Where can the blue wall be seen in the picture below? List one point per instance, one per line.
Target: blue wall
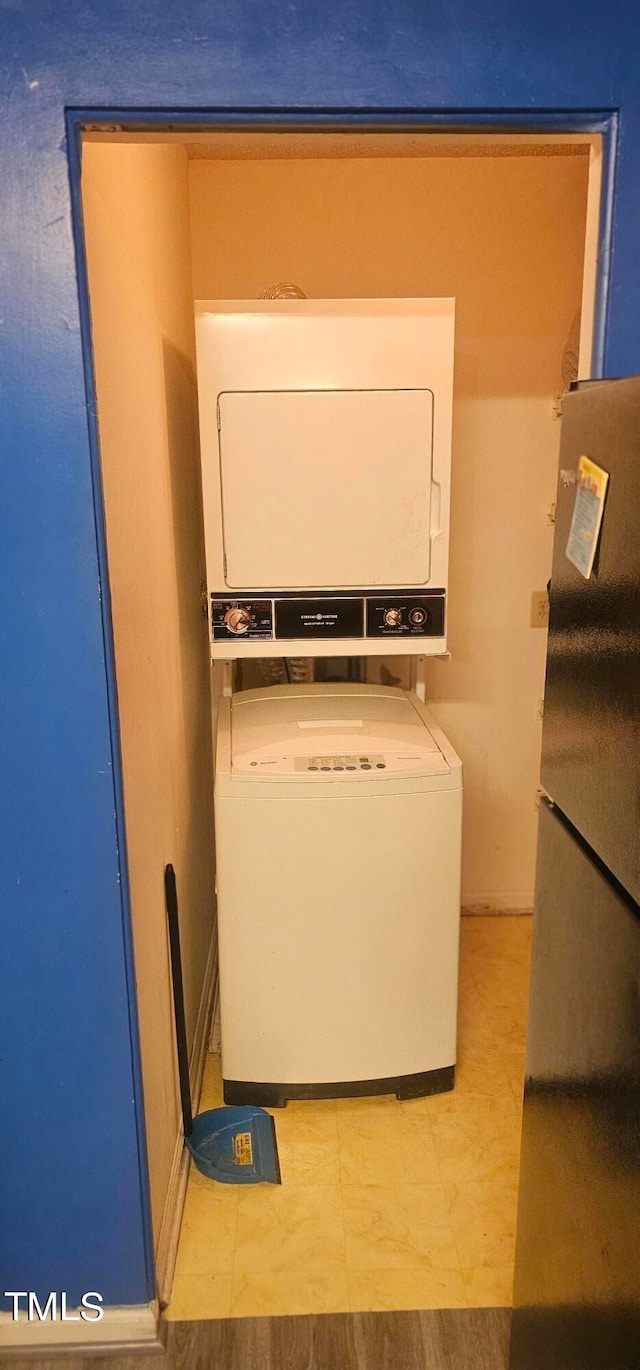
(73, 1195)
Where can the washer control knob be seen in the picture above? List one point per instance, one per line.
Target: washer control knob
(392, 617)
(237, 620)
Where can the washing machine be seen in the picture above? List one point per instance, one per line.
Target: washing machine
(338, 815)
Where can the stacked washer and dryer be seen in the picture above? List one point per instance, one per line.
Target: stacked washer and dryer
(326, 457)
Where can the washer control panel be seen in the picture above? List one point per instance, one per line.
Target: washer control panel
(336, 766)
(324, 764)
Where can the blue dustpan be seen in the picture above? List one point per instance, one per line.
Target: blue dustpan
(235, 1144)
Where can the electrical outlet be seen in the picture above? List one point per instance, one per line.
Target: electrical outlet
(539, 611)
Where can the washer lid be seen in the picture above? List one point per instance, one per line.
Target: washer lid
(316, 733)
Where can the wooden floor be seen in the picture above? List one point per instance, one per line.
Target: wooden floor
(454, 1339)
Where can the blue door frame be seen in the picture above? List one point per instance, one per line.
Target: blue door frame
(79, 121)
(73, 1190)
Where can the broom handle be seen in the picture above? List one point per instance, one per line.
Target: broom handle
(171, 899)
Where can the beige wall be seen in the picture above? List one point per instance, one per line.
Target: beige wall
(137, 232)
(505, 235)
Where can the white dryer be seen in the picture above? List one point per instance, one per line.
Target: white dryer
(325, 432)
(338, 815)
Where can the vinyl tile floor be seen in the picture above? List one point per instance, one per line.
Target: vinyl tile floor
(383, 1205)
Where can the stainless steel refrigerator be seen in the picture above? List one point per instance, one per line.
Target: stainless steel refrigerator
(577, 1282)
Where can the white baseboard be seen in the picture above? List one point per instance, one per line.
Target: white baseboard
(169, 1236)
(215, 1038)
(514, 901)
(171, 1221)
(120, 1329)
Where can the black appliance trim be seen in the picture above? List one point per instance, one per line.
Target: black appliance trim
(593, 856)
(270, 1095)
(347, 615)
(575, 1336)
(384, 591)
(327, 616)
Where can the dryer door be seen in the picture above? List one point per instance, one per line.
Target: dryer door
(326, 488)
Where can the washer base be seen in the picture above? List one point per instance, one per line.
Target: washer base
(269, 1095)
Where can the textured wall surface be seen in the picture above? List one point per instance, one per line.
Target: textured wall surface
(136, 215)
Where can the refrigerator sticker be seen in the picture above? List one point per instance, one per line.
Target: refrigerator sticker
(591, 488)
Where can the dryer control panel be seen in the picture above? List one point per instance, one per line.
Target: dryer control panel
(410, 614)
(316, 617)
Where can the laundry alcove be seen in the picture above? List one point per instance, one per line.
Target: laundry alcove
(506, 224)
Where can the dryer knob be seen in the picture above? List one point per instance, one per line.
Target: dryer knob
(392, 617)
(237, 620)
